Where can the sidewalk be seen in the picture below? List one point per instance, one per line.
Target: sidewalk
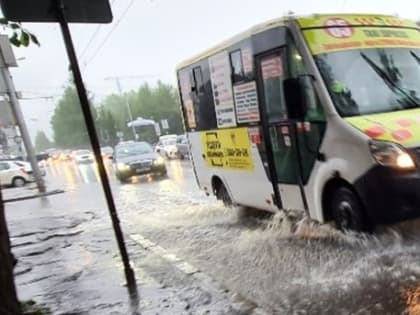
(68, 261)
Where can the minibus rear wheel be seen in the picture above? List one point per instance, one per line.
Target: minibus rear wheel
(347, 210)
(221, 192)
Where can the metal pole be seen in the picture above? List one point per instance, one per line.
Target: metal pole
(127, 104)
(17, 112)
(90, 125)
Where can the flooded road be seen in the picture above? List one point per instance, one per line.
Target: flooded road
(284, 263)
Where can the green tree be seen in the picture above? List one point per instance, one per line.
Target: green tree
(18, 35)
(157, 103)
(68, 123)
(106, 127)
(41, 141)
(115, 104)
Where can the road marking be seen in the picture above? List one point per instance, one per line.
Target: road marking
(240, 304)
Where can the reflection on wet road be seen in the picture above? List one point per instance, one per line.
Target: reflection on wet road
(285, 263)
(71, 174)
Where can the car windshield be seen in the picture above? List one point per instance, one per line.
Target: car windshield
(106, 149)
(82, 152)
(369, 81)
(132, 150)
(167, 142)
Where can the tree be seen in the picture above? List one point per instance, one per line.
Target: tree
(157, 103)
(41, 141)
(106, 127)
(67, 121)
(19, 36)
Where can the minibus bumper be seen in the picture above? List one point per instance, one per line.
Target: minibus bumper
(390, 195)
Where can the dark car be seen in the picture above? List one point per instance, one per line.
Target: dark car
(137, 158)
(42, 156)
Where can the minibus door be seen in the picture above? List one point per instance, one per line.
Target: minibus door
(279, 132)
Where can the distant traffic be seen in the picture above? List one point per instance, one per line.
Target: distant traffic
(128, 158)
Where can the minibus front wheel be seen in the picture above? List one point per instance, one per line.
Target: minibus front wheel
(347, 210)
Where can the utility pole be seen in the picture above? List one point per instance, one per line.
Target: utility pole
(117, 80)
(6, 53)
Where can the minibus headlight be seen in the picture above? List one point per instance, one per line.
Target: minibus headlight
(391, 154)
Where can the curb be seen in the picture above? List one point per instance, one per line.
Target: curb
(40, 195)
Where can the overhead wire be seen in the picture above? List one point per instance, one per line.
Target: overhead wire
(101, 45)
(92, 37)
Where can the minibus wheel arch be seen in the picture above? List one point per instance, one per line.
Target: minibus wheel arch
(337, 188)
(220, 191)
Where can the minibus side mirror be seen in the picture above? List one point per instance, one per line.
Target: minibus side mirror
(294, 97)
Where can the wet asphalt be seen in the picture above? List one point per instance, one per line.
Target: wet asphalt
(282, 263)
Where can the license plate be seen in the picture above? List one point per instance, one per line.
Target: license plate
(141, 170)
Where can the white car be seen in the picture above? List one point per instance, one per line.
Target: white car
(82, 156)
(11, 174)
(167, 146)
(28, 168)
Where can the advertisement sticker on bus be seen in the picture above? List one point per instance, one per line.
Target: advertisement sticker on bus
(222, 90)
(338, 33)
(227, 148)
(402, 127)
(246, 101)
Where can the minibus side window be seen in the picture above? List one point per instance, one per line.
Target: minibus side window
(198, 79)
(272, 71)
(236, 65)
(297, 69)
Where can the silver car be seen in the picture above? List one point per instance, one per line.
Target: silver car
(183, 147)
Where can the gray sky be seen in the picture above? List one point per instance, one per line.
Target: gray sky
(151, 39)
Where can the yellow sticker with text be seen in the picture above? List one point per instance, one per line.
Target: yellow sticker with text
(328, 33)
(227, 148)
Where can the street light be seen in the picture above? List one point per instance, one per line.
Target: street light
(117, 80)
(127, 104)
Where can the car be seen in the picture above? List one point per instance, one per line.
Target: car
(167, 146)
(55, 154)
(11, 174)
(65, 155)
(82, 156)
(52, 153)
(183, 147)
(42, 156)
(107, 152)
(137, 158)
(28, 168)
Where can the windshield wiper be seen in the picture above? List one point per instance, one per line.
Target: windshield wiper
(388, 81)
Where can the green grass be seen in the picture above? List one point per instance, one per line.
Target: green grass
(32, 308)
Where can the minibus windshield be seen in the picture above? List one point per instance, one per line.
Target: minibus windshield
(374, 80)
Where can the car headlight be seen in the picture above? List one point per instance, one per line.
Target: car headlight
(391, 154)
(122, 166)
(159, 161)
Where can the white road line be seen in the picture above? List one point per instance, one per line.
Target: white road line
(207, 282)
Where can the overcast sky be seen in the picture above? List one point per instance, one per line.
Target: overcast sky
(150, 40)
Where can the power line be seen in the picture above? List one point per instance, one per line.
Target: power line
(109, 34)
(95, 33)
(91, 39)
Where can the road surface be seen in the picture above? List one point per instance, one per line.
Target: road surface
(282, 264)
